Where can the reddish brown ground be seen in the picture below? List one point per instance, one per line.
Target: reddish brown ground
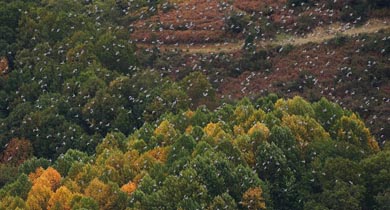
(204, 21)
(193, 21)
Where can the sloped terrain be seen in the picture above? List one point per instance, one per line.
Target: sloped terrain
(205, 21)
(290, 46)
(194, 104)
(189, 21)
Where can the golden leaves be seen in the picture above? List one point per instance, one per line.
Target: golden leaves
(129, 188)
(261, 128)
(253, 199)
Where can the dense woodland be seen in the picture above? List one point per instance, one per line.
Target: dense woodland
(96, 114)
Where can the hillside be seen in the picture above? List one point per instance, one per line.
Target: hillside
(319, 35)
(194, 104)
(285, 28)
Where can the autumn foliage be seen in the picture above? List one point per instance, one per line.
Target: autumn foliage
(194, 104)
(240, 156)
(129, 188)
(252, 199)
(17, 151)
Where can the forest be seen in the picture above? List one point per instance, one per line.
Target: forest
(194, 104)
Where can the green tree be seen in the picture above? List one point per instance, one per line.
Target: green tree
(12, 202)
(32, 164)
(20, 187)
(64, 162)
(198, 89)
(272, 166)
(170, 98)
(343, 196)
(224, 201)
(84, 202)
(116, 54)
(340, 169)
(50, 133)
(327, 114)
(376, 176)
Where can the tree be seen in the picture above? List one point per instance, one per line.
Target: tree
(84, 202)
(38, 197)
(108, 196)
(61, 199)
(129, 188)
(49, 178)
(340, 169)
(267, 103)
(20, 187)
(252, 199)
(259, 128)
(243, 112)
(101, 111)
(181, 150)
(383, 199)
(343, 196)
(112, 141)
(116, 54)
(13, 123)
(56, 135)
(32, 164)
(17, 151)
(169, 98)
(215, 131)
(65, 162)
(7, 173)
(272, 166)
(353, 130)
(285, 140)
(376, 177)
(295, 106)
(176, 192)
(166, 132)
(99, 192)
(327, 114)
(12, 202)
(305, 129)
(198, 89)
(224, 201)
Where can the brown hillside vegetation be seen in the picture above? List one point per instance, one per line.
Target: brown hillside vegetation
(192, 21)
(205, 21)
(319, 34)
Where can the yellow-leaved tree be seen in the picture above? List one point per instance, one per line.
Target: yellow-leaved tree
(259, 128)
(60, 199)
(353, 130)
(44, 183)
(129, 188)
(295, 106)
(166, 132)
(253, 199)
(38, 197)
(305, 129)
(100, 192)
(215, 131)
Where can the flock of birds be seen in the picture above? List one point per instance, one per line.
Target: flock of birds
(287, 19)
(246, 80)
